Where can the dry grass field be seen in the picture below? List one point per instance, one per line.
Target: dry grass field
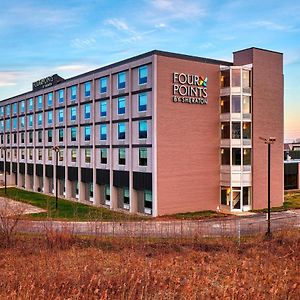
(61, 266)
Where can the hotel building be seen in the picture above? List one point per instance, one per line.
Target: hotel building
(158, 133)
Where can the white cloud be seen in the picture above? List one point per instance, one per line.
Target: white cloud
(9, 78)
(83, 43)
(118, 24)
(272, 26)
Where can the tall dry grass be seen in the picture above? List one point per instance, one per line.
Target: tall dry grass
(66, 267)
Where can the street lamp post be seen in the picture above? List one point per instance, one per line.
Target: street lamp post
(56, 149)
(4, 148)
(269, 141)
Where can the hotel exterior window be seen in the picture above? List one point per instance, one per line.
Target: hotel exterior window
(8, 110)
(15, 108)
(142, 156)
(50, 136)
(73, 134)
(87, 133)
(50, 117)
(30, 104)
(23, 153)
(148, 201)
(87, 89)
(103, 132)
(7, 127)
(30, 154)
(236, 77)
(225, 156)
(121, 80)
(87, 111)
(22, 137)
(15, 123)
(61, 154)
(73, 155)
(225, 78)
(143, 129)
(2, 125)
(107, 194)
(73, 92)
(40, 154)
(15, 153)
(22, 122)
(236, 156)
(60, 115)
(121, 131)
(30, 120)
(103, 108)
(143, 74)
(225, 130)
(103, 85)
(236, 103)
(236, 130)
(121, 106)
(103, 156)
(126, 197)
(22, 109)
(15, 138)
(60, 135)
(50, 99)
(60, 96)
(40, 119)
(247, 157)
(73, 114)
(2, 141)
(246, 195)
(40, 136)
(246, 130)
(225, 104)
(30, 134)
(87, 156)
(8, 138)
(246, 105)
(50, 154)
(142, 102)
(40, 102)
(1, 111)
(246, 78)
(122, 156)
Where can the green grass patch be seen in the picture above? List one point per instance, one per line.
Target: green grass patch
(195, 215)
(67, 210)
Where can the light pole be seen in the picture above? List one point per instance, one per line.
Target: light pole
(56, 149)
(269, 141)
(4, 148)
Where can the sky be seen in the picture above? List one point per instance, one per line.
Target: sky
(69, 37)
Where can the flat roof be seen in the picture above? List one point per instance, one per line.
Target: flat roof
(256, 48)
(137, 57)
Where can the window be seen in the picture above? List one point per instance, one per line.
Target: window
(15, 108)
(87, 89)
(246, 195)
(236, 130)
(60, 96)
(121, 80)
(73, 134)
(225, 78)
(8, 138)
(8, 110)
(49, 99)
(30, 120)
(103, 132)
(73, 111)
(247, 157)
(49, 136)
(22, 138)
(15, 138)
(246, 130)
(148, 201)
(60, 135)
(30, 154)
(103, 108)
(87, 111)
(225, 104)
(15, 153)
(40, 136)
(61, 154)
(236, 156)
(40, 154)
(87, 133)
(126, 197)
(121, 131)
(73, 92)
(87, 156)
(40, 102)
(73, 155)
(50, 154)
(225, 156)
(30, 104)
(103, 85)
(40, 119)
(107, 194)
(236, 104)
(23, 153)
(143, 74)
(1, 111)
(2, 142)
(143, 129)
(7, 126)
(50, 117)
(143, 156)
(60, 115)
(122, 156)
(22, 122)
(30, 134)
(246, 74)
(103, 156)
(246, 105)
(15, 123)
(142, 102)
(22, 107)
(121, 106)
(236, 77)
(225, 130)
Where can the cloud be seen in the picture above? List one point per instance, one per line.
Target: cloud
(83, 43)
(269, 25)
(118, 24)
(10, 78)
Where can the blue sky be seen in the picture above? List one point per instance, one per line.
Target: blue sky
(68, 37)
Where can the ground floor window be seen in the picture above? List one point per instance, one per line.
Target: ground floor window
(107, 194)
(126, 197)
(148, 202)
(225, 195)
(91, 190)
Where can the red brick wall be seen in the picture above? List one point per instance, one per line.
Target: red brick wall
(267, 119)
(188, 142)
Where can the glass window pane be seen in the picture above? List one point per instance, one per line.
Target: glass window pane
(236, 103)
(246, 105)
(236, 77)
(236, 156)
(246, 130)
(225, 78)
(236, 130)
(247, 157)
(121, 105)
(121, 80)
(143, 129)
(225, 156)
(143, 74)
(121, 131)
(103, 108)
(103, 85)
(142, 102)
(225, 104)
(225, 130)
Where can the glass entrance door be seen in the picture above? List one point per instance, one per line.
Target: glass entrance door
(236, 203)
